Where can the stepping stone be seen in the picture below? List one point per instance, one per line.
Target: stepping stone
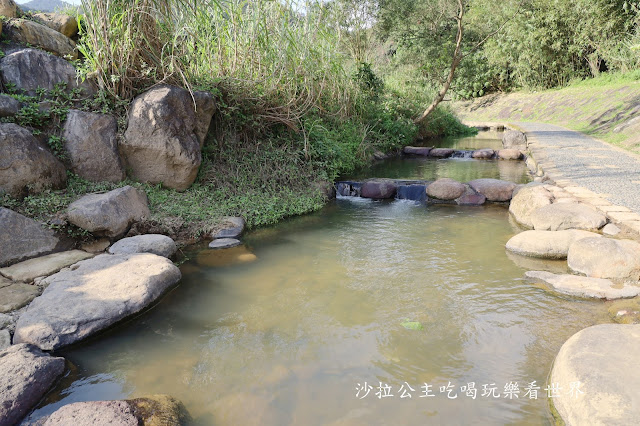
(441, 152)
(575, 285)
(605, 258)
(149, 243)
(43, 266)
(446, 189)
(527, 200)
(557, 217)
(546, 244)
(93, 295)
(223, 243)
(484, 153)
(233, 228)
(15, 296)
(417, 150)
(378, 189)
(604, 360)
(26, 374)
(493, 189)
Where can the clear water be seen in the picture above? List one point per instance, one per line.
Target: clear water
(288, 337)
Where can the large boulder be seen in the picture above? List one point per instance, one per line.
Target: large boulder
(38, 35)
(602, 360)
(30, 269)
(23, 238)
(26, 165)
(93, 295)
(446, 189)
(546, 244)
(422, 151)
(110, 214)
(26, 374)
(205, 108)
(8, 8)
(493, 189)
(148, 243)
(605, 258)
(64, 24)
(559, 216)
(514, 139)
(17, 69)
(161, 143)
(587, 287)
(526, 200)
(378, 189)
(91, 143)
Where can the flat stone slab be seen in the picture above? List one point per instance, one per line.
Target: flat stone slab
(149, 243)
(604, 359)
(223, 243)
(26, 374)
(93, 295)
(605, 258)
(43, 266)
(546, 244)
(575, 285)
(559, 216)
(15, 296)
(233, 227)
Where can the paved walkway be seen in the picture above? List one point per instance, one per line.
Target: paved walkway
(580, 160)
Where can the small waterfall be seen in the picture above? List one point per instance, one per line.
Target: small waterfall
(462, 153)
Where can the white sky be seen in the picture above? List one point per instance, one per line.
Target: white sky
(68, 1)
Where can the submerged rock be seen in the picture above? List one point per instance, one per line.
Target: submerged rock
(559, 216)
(446, 189)
(546, 244)
(378, 189)
(575, 285)
(605, 258)
(527, 200)
(493, 189)
(26, 374)
(603, 360)
(148, 243)
(23, 238)
(93, 295)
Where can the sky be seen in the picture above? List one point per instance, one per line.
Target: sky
(68, 1)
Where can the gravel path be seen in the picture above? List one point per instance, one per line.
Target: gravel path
(587, 162)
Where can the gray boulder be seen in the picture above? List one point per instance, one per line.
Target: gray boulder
(110, 214)
(232, 227)
(587, 287)
(91, 144)
(161, 143)
(493, 189)
(446, 189)
(559, 216)
(93, 295)
(26, 374)
(514, 139)
(605, 258)
(603, 360)
(546, 244)
(64, 24)
(526, 200)
(8, 106)
(23, 238)
(378, 189)
(441, 152)
(421, 151)
(8, 8)
(26, 165)
(224, 243)
(35, 34)
(17, 69)
(205, 108)
(148, 243)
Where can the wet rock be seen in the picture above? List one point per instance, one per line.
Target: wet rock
(233, 227)
(5, 339)
(378, 189)
(149, 243)
(223, 243)
(575, 285)
(161, 143)
(35, 34)
(471, 198)
(109, 214)
(625, 311)
(526, 201)
(93, 295)
(17, 69)
(493, 189)
(205, 108)
(605, 258)
(8, 8)
(514, 138)
(91, 144)
(610, 229)
(415, 192)
(603, 359)
(348, 189)
(23, 238)
(30, 269)
(8, 106)
(64, 24)
(421, 151)
(15, 296)
(546, 244)
(485, 153)
(441, 152)
(160, 410)
(26, 165)
(446, 189)
(559, 216)
(26, 374)
(94, 413)
(509, 154)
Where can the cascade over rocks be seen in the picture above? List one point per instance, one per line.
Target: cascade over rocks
(557, 217)
(26, 165)
(546, 244)
(23, 238)
(605, 258)
(18, 68)
(91, 144)
(35, 34)
(528, 199)
(493, 189)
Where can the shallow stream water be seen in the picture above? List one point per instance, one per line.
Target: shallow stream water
(358, 296)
